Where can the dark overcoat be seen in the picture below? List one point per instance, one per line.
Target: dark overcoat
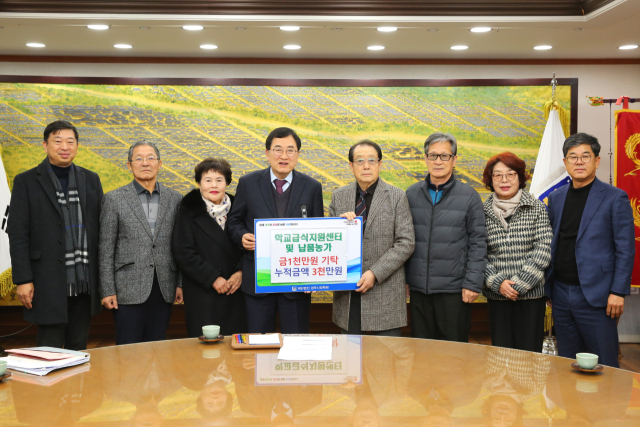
(204, 252)
(36, 239)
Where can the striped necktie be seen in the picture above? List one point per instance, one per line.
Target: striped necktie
(361, 207)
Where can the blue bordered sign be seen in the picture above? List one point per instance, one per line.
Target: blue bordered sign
(307, 254)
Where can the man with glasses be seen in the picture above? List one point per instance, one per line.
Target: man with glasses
(53, 235)
(379, 305)
(139, 279)
(446, 271)
(592, 255)
(276, 192)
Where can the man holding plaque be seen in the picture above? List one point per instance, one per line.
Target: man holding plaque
(379, 305)
(276, 192)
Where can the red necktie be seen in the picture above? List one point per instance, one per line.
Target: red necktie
(279, 184)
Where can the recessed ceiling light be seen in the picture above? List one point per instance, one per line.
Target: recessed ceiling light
(122, 46)
(387, 29)
(208, 46)
(145, 28)
(628, 47)
(292, 47)
(432, 30)
(376, 48)
(98, 27)
(337, 29)
(35, 45)
(459, 47)
(289, 28)
(240, 28)
(192, 27)
(480, 29)
(543, 47)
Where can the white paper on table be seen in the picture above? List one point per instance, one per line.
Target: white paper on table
(266, 339)
(42, 367)
(305, 348)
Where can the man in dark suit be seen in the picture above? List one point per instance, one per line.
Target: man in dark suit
(592, 255)
(276, 192)
(53, 237)
(139, 278)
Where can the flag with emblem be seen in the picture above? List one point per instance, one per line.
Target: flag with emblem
(549, 173)
(627, 171)
(5, 259)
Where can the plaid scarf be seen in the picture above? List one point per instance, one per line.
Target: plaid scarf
(75, 238)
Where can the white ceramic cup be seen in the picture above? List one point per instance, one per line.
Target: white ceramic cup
(587, 360)
(211, 331)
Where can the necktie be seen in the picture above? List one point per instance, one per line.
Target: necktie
(361, 207)
(279, 184)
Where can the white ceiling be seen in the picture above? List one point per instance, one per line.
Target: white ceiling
(512, 37)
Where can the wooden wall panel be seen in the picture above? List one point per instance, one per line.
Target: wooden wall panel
(102, 325)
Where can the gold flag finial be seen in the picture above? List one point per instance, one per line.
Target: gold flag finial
(552, 104)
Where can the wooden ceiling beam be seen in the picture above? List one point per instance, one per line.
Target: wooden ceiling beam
(308, 7)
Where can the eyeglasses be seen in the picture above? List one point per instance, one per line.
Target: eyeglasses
(444, 157)
(586, 158)
(149, 159)
(278, 151)
(370, 162)
(497, 177)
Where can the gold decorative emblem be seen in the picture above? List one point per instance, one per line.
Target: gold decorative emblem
(630, 148)
(635, 205)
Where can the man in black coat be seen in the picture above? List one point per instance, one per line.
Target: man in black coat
(53, 238)
(276, 192)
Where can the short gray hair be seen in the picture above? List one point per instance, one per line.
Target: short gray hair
(579, 139)
(434, 138)
(138, 144)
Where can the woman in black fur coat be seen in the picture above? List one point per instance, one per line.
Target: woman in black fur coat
(210, 263)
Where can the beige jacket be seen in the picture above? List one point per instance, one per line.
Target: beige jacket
(387, 243)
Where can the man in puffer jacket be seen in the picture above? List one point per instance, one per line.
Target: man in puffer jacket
(446, 271)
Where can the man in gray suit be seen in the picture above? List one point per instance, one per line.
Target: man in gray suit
(379, 305)
(139, 278)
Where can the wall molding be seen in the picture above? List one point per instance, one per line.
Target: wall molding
(314, 61)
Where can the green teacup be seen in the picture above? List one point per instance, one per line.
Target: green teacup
(3, 367)
(211, 332)
(587, 360)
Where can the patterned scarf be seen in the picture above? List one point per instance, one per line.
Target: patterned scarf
(219, 212)
(505, 208)
(220, 374)
(75, 238)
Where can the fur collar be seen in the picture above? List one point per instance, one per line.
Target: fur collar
(193, 203)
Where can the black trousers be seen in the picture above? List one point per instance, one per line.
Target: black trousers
(440, 316)
(517, 324)
(262, 313)
(355, 320)
(72, 335)
(143, 322)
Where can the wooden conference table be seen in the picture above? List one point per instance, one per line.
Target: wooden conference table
(370, 381)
